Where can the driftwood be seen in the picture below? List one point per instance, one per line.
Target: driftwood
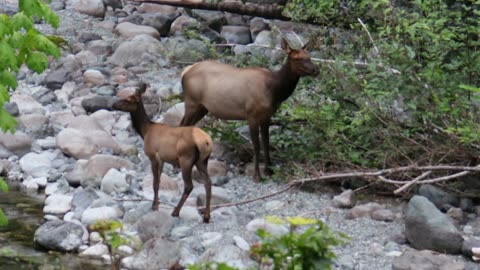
(379, 175)
(270, 11)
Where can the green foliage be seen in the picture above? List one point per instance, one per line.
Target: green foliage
(300, 249)
(210, 266)
(21, 43)
(3, 217)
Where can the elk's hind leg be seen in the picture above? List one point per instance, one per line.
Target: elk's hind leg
(193, 114)
(157, 168)
(186, 164)
(202, 166)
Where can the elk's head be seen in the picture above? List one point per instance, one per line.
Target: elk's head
(131, 102)
(299, 60)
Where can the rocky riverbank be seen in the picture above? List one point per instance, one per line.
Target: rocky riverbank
(91, 165)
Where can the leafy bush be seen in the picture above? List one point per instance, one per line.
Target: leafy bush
(298, 250)
(110, 230)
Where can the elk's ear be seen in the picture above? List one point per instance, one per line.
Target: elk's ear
(141, 89)
(285, 46)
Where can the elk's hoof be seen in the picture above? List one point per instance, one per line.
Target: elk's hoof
(175, 214)
(154, 207)
(206, 219)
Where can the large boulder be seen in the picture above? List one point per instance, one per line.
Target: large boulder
(236, 34)
(427, 228)
(27, 104)
(131, 52)
(440, 198)
(59, 235)
(57, 204)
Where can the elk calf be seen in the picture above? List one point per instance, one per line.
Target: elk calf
(180, 146)
(252, 94)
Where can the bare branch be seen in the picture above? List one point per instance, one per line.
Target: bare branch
(414, 181)
(377, 52)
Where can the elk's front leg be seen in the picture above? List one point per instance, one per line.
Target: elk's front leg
(157, 168)
(186, 166)
(264, 128)
(256, 149)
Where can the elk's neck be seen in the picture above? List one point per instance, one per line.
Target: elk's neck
(285, 84)
(140, 120)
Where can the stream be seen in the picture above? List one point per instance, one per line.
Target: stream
(17, 250)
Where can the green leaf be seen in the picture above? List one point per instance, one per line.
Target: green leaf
(44, 44)
(3, 185)
(7, 122)
(7, 56)
(298, 221)
(8, 79)
(37, 61)
(20, 20)
(4, 26)
(469, 88)
(275, 220)
(3, 218)
(4, 96)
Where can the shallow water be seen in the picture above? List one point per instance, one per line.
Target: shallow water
(17, 250)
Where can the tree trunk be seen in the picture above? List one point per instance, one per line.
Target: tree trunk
(260, 8)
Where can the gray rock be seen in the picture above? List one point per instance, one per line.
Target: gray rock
(228, 254)
(468, 244)
(173, 116)
(133, 215)
(187, 50)
(96, 103)
(58, 204)
(258, 25)
(56, 78)
(130, 53)
(363, 210)
(90, 172)
(44, 96)
(83, 143)
(18, 143)
(36, 125)
(82, 199)
(241, 243)
(38, 165)
(475, 225)
(86, 36)
(94, 214)
(100, 47)
(155, 224)
(26, 104)
(213, 19)
(114, 181)
(383, 215)
(11, 108)
(466, 204)
(94, 77)
(455, 213)
(156, 252)
(425, 260)
(158, 21)
(236, 34)
(90, 7)
(260, 223)
(346, 199)
(441, 199)
(427, 228)
(185, 23)
(59, 235)
(129, 30)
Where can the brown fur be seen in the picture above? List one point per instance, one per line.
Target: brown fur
(252, 94)
(181, 146)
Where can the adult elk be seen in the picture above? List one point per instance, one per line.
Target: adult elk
(180, 146)
(252, 94)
